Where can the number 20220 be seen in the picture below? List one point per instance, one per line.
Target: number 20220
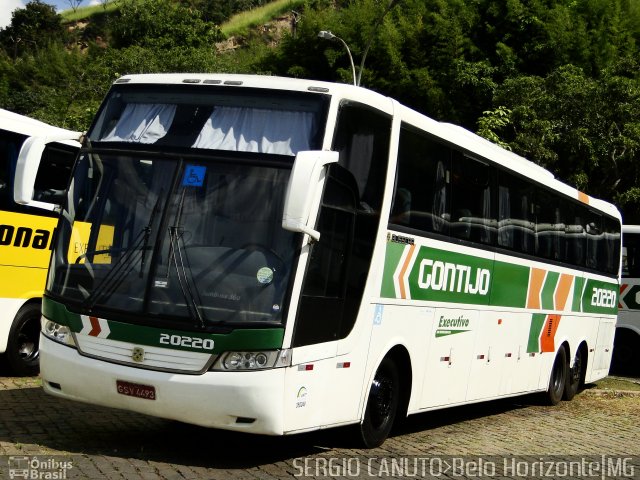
(184, 341)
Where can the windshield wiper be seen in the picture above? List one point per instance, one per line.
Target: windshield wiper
(114, 278)
(177, 256)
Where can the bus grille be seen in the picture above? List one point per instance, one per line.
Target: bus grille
(152, 358)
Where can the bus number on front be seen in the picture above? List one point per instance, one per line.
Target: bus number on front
(185, 341)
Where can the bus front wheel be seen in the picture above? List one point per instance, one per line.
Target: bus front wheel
(23, 354)
(382, 405)
(558, 378)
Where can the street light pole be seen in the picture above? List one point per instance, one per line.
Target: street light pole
(374, 30)
(327, 35)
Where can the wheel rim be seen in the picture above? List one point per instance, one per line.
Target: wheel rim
(28, 340)
(576, 371)
(381, 399)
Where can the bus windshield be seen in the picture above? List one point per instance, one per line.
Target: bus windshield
(175, 209)
(186, 240)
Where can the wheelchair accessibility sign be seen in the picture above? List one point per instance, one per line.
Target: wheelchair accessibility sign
(194, 176)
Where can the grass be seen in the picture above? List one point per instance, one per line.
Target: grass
(81, 13)
(618, 383)
(236, 25)
(240, 23)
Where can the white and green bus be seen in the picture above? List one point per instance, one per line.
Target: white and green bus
(626, 345)
(26, 231)
(275, 255)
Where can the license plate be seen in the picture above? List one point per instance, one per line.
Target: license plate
(138, 390)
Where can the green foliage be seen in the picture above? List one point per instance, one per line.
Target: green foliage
(32, 28)
(160, 24)
(585, 129)
(241, 22)
(492, 122)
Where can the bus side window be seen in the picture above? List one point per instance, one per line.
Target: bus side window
(421, 183)
(362, 139)
(595, 239)
(348, 224)
(516, 223)
(471, 210)
(322, 302)
(631, 267)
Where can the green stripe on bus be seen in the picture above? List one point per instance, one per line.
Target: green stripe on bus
(446, 333)
(578, 285)
(509, 285)
(537, 322)
(548, 291)
(391, 260)
(237, 340)
(58, 313)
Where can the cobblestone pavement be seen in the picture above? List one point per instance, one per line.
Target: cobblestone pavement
(104, 443)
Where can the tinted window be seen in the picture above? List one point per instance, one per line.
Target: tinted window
(471, 215)
(445, 191)
(422, 193)
(516, 223)
(631, 255)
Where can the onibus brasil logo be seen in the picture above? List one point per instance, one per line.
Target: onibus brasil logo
(39, 468)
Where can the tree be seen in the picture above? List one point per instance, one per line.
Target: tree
(160, 24)
(31, 28)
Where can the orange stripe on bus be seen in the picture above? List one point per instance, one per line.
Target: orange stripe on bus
(562, 291)
(583, 197)
(405, 266)
(549, 333)
(535, 286)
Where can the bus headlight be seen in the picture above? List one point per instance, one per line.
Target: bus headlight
(57, 333)
(233, 361)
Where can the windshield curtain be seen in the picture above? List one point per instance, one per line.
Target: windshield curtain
(199, 242)
(246, 120)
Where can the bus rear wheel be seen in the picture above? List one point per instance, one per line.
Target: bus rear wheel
(23, 352)
(574, 376)
(558, 379)
(382, 405)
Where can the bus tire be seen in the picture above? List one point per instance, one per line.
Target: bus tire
(558, 379)
(575, 376)
(382, 405)
(23, 354)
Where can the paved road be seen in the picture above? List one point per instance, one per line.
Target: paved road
(46, 433)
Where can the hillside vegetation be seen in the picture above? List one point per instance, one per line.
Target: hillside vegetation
(557, 81)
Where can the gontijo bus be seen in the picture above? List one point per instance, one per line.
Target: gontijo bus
(25, 235)
(274, 255)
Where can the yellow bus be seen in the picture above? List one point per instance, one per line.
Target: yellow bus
(26, 232)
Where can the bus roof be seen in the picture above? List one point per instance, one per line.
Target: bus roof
(14, 122)
(452, 133)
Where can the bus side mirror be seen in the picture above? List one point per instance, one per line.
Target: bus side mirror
(306, 177)
(27, 168)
